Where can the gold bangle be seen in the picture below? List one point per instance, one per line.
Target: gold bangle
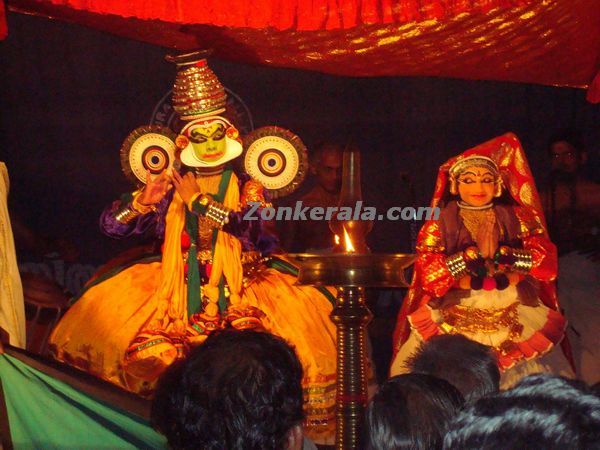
(457, 266)
(218, 214)
(523, 260)
(126, 215)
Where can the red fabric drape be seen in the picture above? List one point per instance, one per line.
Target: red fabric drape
(552, 42)
(593, 94)
(3, 27)
(289, 14)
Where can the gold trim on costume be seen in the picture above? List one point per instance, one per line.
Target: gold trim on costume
(473, 161)
(460, 319)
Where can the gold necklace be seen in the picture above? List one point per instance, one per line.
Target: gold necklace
(474, 218)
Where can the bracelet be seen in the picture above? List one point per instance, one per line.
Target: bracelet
(456, 265)
(126, 214)
(218, 214)
(523, 260)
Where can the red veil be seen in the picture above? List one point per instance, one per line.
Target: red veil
(506, 151)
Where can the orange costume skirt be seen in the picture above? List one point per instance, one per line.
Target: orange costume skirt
(97, 330)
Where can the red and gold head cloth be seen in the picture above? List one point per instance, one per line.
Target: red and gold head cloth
(508, 154)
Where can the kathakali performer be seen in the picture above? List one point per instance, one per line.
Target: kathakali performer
(216, 269)
(486, 268)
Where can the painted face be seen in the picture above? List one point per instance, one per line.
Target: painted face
(476, 186)
(209, 142)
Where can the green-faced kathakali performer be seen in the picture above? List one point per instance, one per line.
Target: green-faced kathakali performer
(216, 269)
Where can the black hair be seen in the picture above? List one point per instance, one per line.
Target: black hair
(410, 411)
(468, 365)
(541, 412)
(240, 389)
(322, 147)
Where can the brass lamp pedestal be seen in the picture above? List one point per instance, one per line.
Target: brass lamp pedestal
(351, 273)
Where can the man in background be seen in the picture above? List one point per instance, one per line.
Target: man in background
(572, 205)
(310, 235)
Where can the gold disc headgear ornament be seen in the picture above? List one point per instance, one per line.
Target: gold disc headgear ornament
(474, 161)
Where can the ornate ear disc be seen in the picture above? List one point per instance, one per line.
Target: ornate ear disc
(498, 191)
(453, 186)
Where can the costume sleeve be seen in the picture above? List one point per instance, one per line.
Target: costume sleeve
(111, 226)
(543, 253)
(431, 266)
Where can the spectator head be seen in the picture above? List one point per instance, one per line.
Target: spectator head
(326, 166)
(240, 389)
(468, 365)
(566, 151)
(411, 411)
(541, 412)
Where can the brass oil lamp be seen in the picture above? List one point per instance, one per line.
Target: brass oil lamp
(350, 269)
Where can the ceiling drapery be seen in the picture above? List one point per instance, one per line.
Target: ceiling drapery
(551, 42)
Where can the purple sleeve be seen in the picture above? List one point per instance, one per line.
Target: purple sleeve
(110, 226)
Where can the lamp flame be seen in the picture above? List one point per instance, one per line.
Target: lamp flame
(336, 238)
(348, 242)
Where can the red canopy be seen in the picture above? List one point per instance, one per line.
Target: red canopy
(552, 42)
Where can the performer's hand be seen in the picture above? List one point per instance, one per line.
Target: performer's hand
(185, 185)
(487, 237)
(156, 189)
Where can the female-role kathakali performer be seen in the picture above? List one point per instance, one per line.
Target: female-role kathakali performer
(214, 271)
(486, 268)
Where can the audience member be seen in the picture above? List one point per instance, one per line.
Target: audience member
(311, 235)
(239, 390)
(541, 412)
(469, 366)
(572, 200)
(572, 204)
(411, 411)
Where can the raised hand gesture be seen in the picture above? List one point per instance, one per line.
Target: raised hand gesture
(156, 189)
(185, 185)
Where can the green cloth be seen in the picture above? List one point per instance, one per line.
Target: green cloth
(194, 302)
(45, 413)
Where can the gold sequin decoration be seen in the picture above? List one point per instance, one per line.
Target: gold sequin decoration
(526, 194)
(464, 319)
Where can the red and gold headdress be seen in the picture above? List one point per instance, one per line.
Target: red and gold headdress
(508, 156)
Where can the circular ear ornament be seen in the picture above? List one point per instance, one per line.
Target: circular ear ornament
(150, 148)
(276, 158)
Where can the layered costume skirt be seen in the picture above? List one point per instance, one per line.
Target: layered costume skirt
(97, 330)
(523, 337)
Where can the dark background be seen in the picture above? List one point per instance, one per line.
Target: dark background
(70, 96)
